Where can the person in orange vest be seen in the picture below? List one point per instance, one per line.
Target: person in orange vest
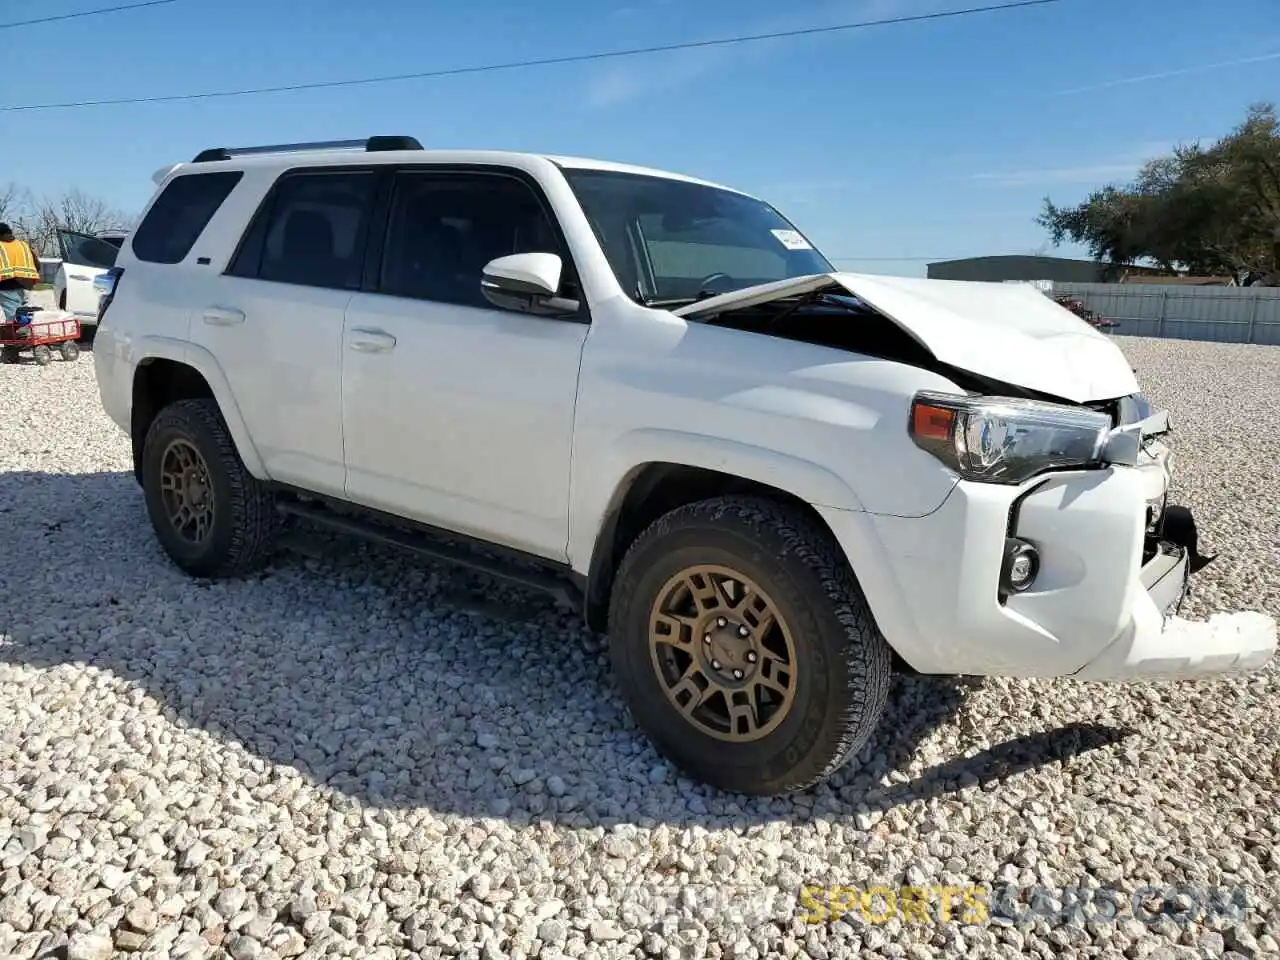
(19, 272)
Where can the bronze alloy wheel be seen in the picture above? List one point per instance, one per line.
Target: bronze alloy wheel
(211, 515)
(186, 491)
(744, 647)
(724, 656)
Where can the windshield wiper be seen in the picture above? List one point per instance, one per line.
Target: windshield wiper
(674, 302)
(790, 305)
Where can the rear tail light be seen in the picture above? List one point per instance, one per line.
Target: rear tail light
(106, 285)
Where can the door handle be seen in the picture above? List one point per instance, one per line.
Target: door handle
(222, 316)
(367, 340)
(77, 276)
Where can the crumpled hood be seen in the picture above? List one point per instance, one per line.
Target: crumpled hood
(1009, 332)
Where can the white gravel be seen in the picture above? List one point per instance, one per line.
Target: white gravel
(338, 759)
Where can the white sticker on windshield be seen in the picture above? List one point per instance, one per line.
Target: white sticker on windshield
(791, 240)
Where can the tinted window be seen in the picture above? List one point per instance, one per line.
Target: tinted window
(89, 251)
(444, 228)
(311, 232)
(673, 240)
(175, 221)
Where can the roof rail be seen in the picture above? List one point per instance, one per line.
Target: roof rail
(375, 144)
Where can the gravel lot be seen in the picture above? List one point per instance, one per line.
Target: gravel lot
(349, 756)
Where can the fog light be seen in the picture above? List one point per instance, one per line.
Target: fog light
(1021, 570)
(1021, 564)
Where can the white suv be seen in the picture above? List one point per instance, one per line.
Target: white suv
(770, 482)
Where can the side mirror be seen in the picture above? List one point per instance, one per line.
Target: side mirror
(526, 283)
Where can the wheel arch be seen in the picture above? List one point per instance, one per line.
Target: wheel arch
(650, 490)
(170, 371)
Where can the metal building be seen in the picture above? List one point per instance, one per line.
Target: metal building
(1016, 267)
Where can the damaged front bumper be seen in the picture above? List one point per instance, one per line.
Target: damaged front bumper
(1175, 648)
(1114, 562)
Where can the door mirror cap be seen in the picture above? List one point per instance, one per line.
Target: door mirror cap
(526, 283)
(530, 273)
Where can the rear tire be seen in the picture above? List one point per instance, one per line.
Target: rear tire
(212, 517)
(69, 350)
(764, 729)
(9, 354)
(43, 355)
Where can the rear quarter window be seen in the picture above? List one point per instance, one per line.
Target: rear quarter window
(180, 214)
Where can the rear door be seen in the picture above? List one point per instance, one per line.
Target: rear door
(84, 258)
(274, 319)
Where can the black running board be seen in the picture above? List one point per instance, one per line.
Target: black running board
(532, 572)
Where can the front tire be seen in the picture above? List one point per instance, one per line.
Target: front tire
(212, 517)
(43, 355)
(744, 647)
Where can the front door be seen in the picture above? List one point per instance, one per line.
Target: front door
(456, 413)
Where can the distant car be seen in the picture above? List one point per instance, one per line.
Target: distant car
(85, 257)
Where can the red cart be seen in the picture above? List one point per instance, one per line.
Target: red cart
(45, 330)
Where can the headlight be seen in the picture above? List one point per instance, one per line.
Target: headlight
(1007, 440)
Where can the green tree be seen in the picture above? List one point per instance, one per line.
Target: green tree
(1212, 211)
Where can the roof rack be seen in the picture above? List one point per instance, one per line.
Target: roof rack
(371, 145)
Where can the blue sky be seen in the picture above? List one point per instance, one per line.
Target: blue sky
(918, 141)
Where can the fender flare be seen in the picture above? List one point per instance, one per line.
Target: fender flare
(205, 364)
(607, 489)
(807, 480)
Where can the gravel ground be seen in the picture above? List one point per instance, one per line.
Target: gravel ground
(347, 756)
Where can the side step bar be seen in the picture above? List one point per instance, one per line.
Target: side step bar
(533, 573)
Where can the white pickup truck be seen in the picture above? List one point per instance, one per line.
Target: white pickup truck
(771, 483)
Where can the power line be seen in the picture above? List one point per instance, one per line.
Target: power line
(521, 64)
(85, 13)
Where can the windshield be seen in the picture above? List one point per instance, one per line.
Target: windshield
(674, 241)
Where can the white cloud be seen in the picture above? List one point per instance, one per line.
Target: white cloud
(1088, 173)
(639, 9)
(803, 192)
(1145, 77)
(1117, 167)
(633, 77)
